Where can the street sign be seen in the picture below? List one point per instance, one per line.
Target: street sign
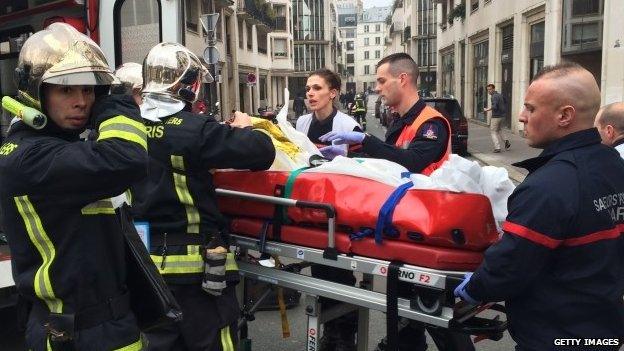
(209, 21)
(211, 55)
(251, 78)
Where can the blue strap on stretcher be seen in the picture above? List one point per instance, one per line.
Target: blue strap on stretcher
(384, 219)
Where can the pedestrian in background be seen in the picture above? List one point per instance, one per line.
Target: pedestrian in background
(499, 109)
(299, 105)
(559, 265)
(610, 124)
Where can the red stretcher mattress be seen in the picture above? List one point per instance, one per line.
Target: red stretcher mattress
(423, 217)
(414, 254)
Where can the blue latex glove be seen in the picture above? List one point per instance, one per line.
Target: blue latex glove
(338, 138)
(460, 291)
(331, 151)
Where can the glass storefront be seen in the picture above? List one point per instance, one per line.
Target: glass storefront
(480, 80)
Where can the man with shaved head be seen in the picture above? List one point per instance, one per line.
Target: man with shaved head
(559, 264)
(610, 124)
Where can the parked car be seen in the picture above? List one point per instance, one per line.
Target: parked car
(452, 111)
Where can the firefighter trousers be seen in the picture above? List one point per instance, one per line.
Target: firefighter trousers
(209, 323)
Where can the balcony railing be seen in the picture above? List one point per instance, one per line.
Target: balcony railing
(280, 23)
(256, 10)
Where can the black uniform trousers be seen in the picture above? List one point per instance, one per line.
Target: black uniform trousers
(209, 322)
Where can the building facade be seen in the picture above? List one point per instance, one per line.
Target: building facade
(347, 11)
(370, 43)
(507, 43)
(252, 37)
(313, 37)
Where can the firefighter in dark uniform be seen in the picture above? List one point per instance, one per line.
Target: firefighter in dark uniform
(178, 200)
(420, 141)
(559, 265)
(66, 243)
(359, 111)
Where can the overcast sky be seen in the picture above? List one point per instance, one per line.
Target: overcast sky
(377, 3)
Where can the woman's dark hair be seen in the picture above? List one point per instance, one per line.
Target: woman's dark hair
(330, 77)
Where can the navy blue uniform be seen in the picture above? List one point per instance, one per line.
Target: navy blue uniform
(560, 263)
(66, 242)
(428, 146)
(178, 201)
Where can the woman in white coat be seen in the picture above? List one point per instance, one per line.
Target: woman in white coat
(322, 88)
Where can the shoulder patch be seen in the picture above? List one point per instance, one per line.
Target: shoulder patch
(7, 148)
(430, 131)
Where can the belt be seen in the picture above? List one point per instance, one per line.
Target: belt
(111, 309)
(179, 239)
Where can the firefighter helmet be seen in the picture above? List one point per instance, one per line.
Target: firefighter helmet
(174, 71)
(130, 76)
(60, 55)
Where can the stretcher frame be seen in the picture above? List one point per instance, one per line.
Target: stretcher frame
(434, 305)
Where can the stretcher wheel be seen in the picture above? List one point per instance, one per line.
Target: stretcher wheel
(428, 302)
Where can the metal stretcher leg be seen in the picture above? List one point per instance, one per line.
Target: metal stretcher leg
(312, 310)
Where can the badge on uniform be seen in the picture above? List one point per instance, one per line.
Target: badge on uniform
(430, 132)
(143, 229)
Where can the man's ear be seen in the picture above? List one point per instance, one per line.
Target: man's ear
(610, 131)
(567, 114)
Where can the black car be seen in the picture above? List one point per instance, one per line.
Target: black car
(452, 111)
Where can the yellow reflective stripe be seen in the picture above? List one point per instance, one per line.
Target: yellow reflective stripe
(179, 264)
(136, 346)
(38, 236)
(123, 135)
(226, 339)
(230, 262)
(184, 195)
(124, 120)
(99, 207)
(124, 128)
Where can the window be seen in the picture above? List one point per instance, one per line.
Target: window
(536, 51)
(582, 25)
(249, 38)
(474, 5)
(279, 48)
(366, 55)
(448, 73)
(426, 18)
(139, 30)
(241, 32)
(366, 29)
(366, 69)
(350, 45)
(585, 7)
(377, 40)
(262, 41)
(378, 28)
(377, 54)
(309, 57)
(480, 79)
(351, 70)
(309, 17)
(350, 58)
(191, 15)
(366, 41)
(350, 33)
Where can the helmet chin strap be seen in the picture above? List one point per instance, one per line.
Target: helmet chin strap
(156, 106)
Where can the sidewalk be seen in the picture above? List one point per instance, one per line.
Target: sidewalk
(480, 146)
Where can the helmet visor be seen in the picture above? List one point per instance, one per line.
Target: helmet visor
(83, 78)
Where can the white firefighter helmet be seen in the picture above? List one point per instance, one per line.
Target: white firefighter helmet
(59, 55)
(130, 77)
(171, 70)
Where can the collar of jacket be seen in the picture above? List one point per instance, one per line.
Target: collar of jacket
(408, 118)
(51, 129)
(569, 142)
(618, 142)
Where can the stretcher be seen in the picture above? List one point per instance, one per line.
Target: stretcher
(430, 300)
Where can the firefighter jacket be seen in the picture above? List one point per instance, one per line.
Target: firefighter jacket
(178, 199)
(417, 149)
(66, 242)
(559, 265)
(360, 106)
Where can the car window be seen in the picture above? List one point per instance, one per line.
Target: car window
(450, 109)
